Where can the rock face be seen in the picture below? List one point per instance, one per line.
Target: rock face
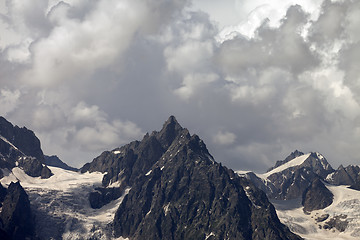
(178, 191)
(103, 196)
(344, 175)
(124, 165)
(22, 138)
(293, 175)
(3, 192)
(16, 217)
(55, 161)
(316, 196)
(20, 147)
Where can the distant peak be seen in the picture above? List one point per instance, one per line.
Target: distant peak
(292, 156)
(171, 124)
(169, 131)
(297, 152)
(171, 120)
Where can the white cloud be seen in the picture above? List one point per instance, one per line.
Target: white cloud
(91, 75)
(224, 138)
(9, 101)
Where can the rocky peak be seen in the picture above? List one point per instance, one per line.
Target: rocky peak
(16, 215)
(187, 195)
(169, 132)
(294, 175)
(55, 161)
(20, 146)
(316, 196)
(318, 163)
(23, 138)
(344, 175)
(292, 156)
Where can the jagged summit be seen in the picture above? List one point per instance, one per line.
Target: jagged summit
(289, 178)
(178, 191)
(169, 131)
(292, 155)
(20, 147)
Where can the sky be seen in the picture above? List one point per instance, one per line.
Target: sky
(255, 79)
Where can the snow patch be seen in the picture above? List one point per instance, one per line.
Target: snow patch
(116, 152)
(166, 209)
(148, 173)
(293, 163)
(209, 235)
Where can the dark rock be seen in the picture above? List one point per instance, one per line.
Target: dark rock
(187, 195)
(45, 172)
(16, 216)
(317, 196)
(322, 217)
(34, 168)
(54, 161)
(9, 154)
(338, 222)
(356, 185)
(3, 193)
(4, 235)
(103, 196)
(344, 175)
(124, 165)
(23, 138)
(291, 182)
(20, 146)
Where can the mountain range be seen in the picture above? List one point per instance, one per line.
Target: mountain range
(168, 186)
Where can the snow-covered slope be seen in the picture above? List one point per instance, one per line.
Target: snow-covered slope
(295, 162)
(345, 208)
(61, 205)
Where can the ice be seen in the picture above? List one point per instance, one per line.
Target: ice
(61, 206)
(346, 201)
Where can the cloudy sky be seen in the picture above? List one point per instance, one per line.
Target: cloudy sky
(256, 79)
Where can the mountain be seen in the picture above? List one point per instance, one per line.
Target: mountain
(166, 186)
(54, 161)
(317, 196)
(20, 147)
(178, 191)
(16, 217)
(312, 198)
(292, 156)
(292, 176)
(344, 175)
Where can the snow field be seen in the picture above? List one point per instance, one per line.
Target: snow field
(61, 207)
(346, 202)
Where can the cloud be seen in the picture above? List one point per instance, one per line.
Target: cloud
(9, 101)
(224, 138)
(89, 76)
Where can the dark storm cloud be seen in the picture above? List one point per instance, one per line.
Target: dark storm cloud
(89, 76)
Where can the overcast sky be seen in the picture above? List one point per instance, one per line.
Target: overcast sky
(255, 79)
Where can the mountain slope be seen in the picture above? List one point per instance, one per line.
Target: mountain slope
(187, 195)
(20, 147)
(54, 161)
(16, 216)
(292, 176)
(305, 190)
